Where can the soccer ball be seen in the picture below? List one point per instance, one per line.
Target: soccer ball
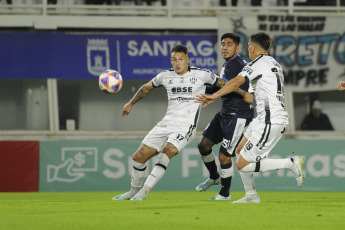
(110, 81)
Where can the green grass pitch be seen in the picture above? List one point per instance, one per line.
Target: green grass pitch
(171, 210)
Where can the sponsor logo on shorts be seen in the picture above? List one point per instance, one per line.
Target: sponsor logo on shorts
(227, 145)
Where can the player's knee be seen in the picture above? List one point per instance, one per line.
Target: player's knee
(139, 158)
(204, 148)
(224, 159)
(170, 151)
(239, 167)
(244, 166)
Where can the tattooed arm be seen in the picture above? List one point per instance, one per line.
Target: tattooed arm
(142, 92)
(247, 97)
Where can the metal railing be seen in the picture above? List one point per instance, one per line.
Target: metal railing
(168, 11)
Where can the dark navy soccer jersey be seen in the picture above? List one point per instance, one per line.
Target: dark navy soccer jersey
(233, 104)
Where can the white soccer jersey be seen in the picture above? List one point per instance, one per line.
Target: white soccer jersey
(266, 76)
(181, 90)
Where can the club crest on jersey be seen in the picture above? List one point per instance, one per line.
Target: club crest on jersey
(193, 80)
(97, 56)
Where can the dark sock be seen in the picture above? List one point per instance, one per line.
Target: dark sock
(212, 168)
(226, 182)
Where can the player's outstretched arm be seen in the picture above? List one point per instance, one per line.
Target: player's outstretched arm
(203, 98)
(341, 85)
(142, 92)
(229, 87)
(247, 97)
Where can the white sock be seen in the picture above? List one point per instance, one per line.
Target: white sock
(275, 164)
(208, 158)
(138, 174)
(248, 182)
(226, 172)
(268, 165)
(156, 174)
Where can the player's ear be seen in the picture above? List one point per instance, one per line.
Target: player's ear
(252, 48)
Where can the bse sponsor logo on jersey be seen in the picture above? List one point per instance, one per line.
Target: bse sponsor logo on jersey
(177, 90)
(97, 56)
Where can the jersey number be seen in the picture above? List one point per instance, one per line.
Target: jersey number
(280, 86)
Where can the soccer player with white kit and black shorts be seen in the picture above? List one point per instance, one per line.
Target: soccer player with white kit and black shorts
(263, 133)
(228, 125)
(177, 128)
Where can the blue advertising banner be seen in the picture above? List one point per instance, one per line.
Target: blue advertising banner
(85, 56)
(310, 49)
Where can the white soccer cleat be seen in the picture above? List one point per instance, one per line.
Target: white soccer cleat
(220, 197)
(206, 184)
(138, 197)
(124, 196)
(252, 198)
(297, 169)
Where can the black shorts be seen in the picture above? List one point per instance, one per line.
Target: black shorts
(229, 131)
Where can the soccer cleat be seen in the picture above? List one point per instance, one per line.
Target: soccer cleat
(206, 184)
(138, 197)
(220, 197)
(253, 198)
(124, 196)
(297, 169)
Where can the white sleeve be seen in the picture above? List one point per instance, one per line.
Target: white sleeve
(157, 80)
(250, 89)
(211, 78)
(248, 72)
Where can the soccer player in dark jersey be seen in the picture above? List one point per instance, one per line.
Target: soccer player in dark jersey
(228, 124)
(267, 128)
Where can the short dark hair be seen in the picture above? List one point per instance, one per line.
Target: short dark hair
(180, 48)
(262, 39)
(235, 37)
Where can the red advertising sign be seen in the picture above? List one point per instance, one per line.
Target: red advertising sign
(19, 163)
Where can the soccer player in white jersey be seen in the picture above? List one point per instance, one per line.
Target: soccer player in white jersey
(266, 76)
(177, 128)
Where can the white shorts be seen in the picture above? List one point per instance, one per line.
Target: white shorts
(261, 140)
(177, 133)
